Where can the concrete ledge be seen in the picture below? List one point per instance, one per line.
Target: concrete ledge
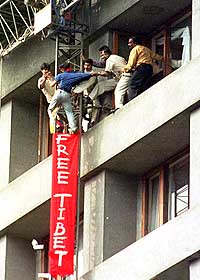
(144, 114)
(156, 252)
(27, 60)
(25, 193)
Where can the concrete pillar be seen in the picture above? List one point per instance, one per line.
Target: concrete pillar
(120, 212)
(24, 138)
(195, 28)
(19, 139)
(3, 241)
(93, 221)
(5, 132)
(194, 158)
(109, 216)
(20, 259)
(195, 269)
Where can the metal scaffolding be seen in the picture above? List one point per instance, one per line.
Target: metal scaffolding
(16, 25)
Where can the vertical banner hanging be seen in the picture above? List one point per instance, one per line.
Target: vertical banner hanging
(63, 203)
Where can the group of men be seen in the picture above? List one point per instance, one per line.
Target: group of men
(124, 79)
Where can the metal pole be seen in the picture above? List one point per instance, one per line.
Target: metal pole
(5, 3)
(41, 111)
(56, 53)
(78, 190)
(1, 75)
(79, 180)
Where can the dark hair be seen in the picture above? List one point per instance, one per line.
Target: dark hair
(64, 65)
(89, 60)
(107, 50)
(103, 48)
(45, 66)
(135, 39)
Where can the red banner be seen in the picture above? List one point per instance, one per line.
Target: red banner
(63, 204)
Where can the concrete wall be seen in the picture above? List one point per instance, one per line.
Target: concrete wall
(27, 60)
(24, 141)
(25, 193)
(5, 132)
(109, 216)
(20, 259)
(195, 269)
(161, 249)
(3, 243)
(100, 15)
(120, 212)
(144, 114)
(93, 221)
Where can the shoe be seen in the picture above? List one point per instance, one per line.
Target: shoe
(73, 131)
(59, 126)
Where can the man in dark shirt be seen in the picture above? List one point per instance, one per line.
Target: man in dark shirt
(66, 81)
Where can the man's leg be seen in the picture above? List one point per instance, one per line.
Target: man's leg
(53, 104)
(101, 87)
(121, 89)
(65, 98)
(106, 102)
(141, 74)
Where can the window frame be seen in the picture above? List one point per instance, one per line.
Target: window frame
(163, 205)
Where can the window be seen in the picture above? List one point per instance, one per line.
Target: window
(165, 193)
(174, 42)
(178, 187)
(153, 202)
(180, 43)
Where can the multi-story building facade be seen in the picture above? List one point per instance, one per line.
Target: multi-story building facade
(140, 166)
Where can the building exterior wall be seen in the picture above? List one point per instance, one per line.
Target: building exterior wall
(35, 51)
(20, 259)
(3, 243)
(5, 125)
(116, 153)
(156, 252)
(24, 130)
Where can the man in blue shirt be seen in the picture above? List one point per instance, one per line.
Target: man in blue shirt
(65, 82)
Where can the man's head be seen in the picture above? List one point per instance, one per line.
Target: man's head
(45, 68)
(132, 42)
(105, 53)
(88, 63)
(64, 67)
(101, 49)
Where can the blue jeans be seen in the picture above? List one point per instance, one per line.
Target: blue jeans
(63, 98)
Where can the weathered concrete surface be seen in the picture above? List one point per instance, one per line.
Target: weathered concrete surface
(108, 228)
(25, 193)
(3, 242)
(195, 270)
(156, 252)
(20, 259)
(24, 62)
(159, 104)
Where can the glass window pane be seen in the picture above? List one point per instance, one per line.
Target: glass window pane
(153, 203)
(180, 44)
(178, 188)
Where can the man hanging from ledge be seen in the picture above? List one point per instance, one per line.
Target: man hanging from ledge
(65, 82)
(140, 64)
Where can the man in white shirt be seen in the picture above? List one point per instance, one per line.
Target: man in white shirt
(113, 69)
(44, 83)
